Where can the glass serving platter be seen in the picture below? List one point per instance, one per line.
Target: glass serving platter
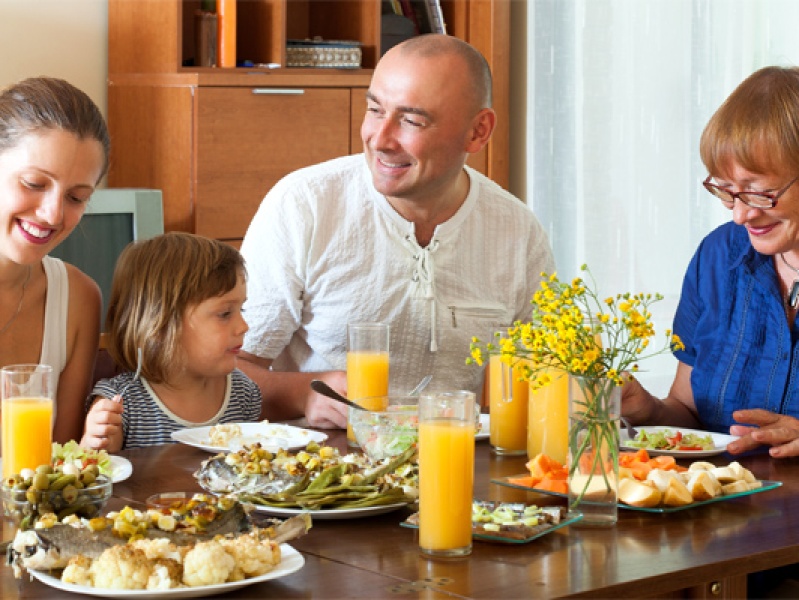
(767, 485)
(479, 534)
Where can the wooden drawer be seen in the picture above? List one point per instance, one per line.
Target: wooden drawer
(248, 138)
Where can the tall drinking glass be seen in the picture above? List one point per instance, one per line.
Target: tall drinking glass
(548, 418)
(508, 402)
(446, 473)
(26, 393)
(367, 366)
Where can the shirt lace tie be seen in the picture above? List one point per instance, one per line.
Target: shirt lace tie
(424, 277)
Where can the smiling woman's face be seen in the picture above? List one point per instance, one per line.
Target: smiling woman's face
(771, 231)
(45, 182)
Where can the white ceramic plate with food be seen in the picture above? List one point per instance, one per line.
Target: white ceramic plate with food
(720, 442)
(276, 435)
(291, 561)
(485, 427)
(331, 513)
(121, 468)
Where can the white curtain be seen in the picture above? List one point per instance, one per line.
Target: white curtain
(618, 92)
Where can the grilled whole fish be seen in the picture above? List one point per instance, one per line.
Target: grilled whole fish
(218, 476)
(52, 548)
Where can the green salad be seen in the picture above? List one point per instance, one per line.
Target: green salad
(72, 454)
(666, 439)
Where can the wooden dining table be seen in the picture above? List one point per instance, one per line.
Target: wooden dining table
(702, 552)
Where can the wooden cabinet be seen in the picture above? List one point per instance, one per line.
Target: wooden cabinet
(215, 140)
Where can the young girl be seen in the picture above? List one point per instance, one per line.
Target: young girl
(178, 297)
(54, 148)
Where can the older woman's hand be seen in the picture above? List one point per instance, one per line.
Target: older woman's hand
(764, 428)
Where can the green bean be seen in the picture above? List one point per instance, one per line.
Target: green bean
(326, 477)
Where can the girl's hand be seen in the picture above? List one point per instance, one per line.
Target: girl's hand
(103, 428)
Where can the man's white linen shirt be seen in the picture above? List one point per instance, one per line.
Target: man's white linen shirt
(326, 249)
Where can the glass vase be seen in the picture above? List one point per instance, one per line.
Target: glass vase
(594, 411)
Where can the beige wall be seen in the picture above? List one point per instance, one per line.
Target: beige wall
(59, 38)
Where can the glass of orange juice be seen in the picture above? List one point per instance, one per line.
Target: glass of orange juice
(446, 473)
(367, 366)
(26, 393)
(507, 400)
(548, 418)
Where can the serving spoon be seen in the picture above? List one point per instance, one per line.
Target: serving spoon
(420, 386)
(321, 387)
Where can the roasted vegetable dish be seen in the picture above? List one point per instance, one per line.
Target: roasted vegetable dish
(318, 477)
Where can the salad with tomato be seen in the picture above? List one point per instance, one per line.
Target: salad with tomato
(72, 454)
(666, 439)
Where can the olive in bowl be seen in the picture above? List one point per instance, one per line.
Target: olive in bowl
(29, 496)
(388, 432)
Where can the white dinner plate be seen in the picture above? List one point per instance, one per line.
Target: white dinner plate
(485, 427)
(331, 513)
(121, 468)
(276, 435)
(720, 442)
(291, 561)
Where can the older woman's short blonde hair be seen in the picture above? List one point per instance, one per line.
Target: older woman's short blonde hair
(757, 126)
(155, 282)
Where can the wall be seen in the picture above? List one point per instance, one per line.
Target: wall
(58, 38)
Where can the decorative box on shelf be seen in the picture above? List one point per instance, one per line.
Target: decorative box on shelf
(325, 54)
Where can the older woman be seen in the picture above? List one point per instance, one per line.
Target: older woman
(54, 149)
(737, 314)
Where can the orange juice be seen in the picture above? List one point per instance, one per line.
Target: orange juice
(27, 434)
(548, 419)
(446, 478)
(507, 399)
(367, 379)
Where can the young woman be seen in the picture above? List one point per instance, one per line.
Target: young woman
(178, 298)
(54, 148)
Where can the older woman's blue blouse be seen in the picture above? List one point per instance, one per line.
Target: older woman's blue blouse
(732, 320)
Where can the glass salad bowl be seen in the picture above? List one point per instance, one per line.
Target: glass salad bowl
(388, 432)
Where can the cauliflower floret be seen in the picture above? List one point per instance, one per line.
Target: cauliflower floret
(160, 548)
(167, 574)
(78, 571)
(207, 564)
(121, 567)
(254, 555)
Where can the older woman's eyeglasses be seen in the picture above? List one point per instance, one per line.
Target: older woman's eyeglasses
(763, 200)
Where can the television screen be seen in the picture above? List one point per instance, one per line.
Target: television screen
(113, 219)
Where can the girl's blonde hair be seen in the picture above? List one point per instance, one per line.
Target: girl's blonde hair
(155, 282)
(757, 126)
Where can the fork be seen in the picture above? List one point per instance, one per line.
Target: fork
(631, 431)
(135, 375)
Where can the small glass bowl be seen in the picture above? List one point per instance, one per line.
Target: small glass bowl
(176, 500)
(387, 433)
(25, 505)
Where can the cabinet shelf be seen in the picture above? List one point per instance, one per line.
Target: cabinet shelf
(213, 147)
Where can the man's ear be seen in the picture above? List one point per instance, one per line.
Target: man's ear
(482, 127)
